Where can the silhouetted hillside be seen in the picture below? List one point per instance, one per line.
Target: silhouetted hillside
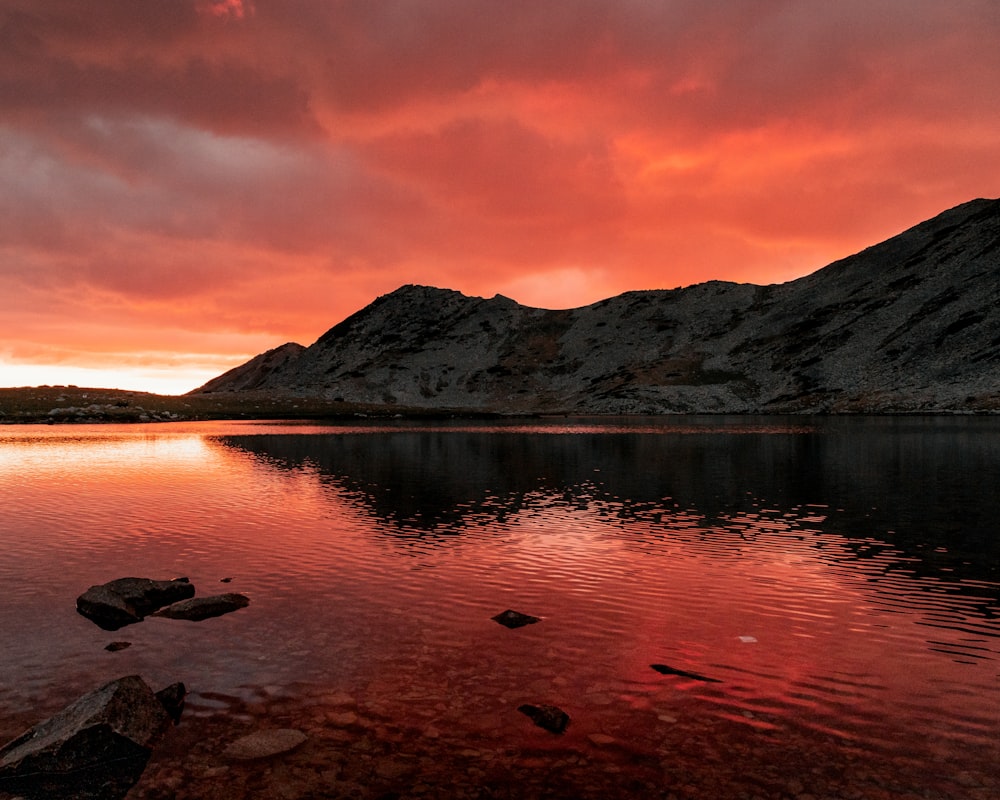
(911, 324)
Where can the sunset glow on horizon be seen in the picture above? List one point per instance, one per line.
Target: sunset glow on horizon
(185, 185)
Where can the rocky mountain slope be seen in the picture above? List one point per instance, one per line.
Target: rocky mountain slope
(911, 324)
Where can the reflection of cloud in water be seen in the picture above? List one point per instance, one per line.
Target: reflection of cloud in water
(925, 487)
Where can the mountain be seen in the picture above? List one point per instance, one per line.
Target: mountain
(256, 372)
(911, 324)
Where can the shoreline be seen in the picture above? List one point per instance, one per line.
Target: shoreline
(73, 405)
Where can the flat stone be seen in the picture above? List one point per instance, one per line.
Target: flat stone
(126, 601)
(514, 619)
(103, 739)
(264, 744)
(199, 608)
(550, 718)
(114, 647)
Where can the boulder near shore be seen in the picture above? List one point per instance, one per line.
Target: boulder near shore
(126, 601)
(94, 749)
(196, 609)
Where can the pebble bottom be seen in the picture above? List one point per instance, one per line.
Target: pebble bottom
(360, 749)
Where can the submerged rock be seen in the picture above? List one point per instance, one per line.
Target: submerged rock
(172, 699)
(514, 619)
(97, 747)
(114, 647)
(264, 744)
(663, 669)
(126, 601)
(199, 608)
(551, 718)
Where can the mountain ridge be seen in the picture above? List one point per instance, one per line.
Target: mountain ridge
(908, 324)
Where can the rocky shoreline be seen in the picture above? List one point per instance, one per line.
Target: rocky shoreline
(49, 405)
(365, 747)
(98, 746)
(71, 405)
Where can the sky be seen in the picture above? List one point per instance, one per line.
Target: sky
(186, 184)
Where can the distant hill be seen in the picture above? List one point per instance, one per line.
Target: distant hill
(911, 324)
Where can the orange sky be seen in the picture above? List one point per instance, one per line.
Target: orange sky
(186, 184)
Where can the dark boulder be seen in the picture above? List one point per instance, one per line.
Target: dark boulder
(551, 718)
(172, 699)
(199, 608)
(125, 601)
(97, 747)
(514, 619)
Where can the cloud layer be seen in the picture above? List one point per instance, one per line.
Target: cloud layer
(189, 183)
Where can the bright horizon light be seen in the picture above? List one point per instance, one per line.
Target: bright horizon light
(165, 382)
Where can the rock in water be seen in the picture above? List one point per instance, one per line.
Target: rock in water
(551, 718)
(125, 601)
(663, 669)
(97, 747)
(264, 744)
(199, 608)
(514, 619)
(172, 699)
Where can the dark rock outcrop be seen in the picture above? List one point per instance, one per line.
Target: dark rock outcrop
(126, 601)
(911, 324)
(551, 718)
(97, 747)
(199, 608)
(172, 699)
(514, 619)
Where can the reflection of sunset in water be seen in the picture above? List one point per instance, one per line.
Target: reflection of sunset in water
(375, 557)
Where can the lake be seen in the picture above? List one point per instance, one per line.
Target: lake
(827, 588)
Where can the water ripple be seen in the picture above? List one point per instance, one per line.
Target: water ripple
(360, 562)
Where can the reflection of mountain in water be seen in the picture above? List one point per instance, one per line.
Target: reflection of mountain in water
(925, 486)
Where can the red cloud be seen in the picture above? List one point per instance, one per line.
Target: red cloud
(218, 166)
(226, 8)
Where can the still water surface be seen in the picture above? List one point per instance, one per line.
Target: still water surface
(838, 579)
